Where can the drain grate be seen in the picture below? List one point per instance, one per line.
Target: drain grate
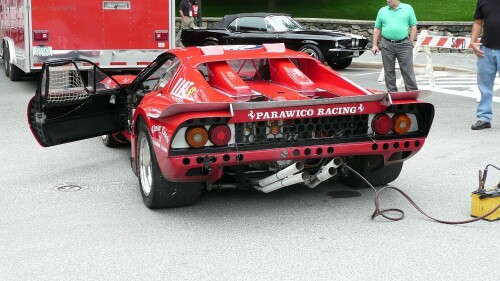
(69, 187)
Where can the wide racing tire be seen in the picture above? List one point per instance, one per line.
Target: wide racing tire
(313, 51)
(373, 170)
(157, 192)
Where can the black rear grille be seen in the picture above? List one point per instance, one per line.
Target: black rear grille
(297, 130)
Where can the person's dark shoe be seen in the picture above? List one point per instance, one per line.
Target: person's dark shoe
(480, 124)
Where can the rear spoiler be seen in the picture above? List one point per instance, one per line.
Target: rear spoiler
(384, 98)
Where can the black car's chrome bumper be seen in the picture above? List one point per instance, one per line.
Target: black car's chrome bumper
(347, 53)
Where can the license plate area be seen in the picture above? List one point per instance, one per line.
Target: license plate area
(42, 51)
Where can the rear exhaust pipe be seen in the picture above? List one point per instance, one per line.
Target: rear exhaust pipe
(325, 172)
(288, 171)
(321, 176)
(335, 163)
(290, 180)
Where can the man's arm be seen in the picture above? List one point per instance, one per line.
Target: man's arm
(413, 33)
(477, 27)
(376, 36)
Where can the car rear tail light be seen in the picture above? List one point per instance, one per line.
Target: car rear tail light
(196, 137)
(220, 135)
(41, 35)
(382, 124)
(161, 35)
(402, 123)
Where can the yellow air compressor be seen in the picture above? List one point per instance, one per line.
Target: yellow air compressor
(485, 200)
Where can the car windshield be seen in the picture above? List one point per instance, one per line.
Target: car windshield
(283, 23)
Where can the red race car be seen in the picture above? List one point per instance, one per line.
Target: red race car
(241, 116)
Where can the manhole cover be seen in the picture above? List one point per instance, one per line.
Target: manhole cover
(69, 187)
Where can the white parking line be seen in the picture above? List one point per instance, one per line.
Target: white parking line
(453, 83)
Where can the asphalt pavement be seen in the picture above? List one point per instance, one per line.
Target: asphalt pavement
(464, 62)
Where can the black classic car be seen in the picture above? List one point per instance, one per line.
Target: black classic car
(334, 47)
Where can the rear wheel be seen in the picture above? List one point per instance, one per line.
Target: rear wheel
(157, 192)
(313, 51)
(340, 64)
(373, 170)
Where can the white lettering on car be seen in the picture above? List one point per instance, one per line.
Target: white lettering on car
(302, 113)
(181, 87)
(160, 146)
(159, 132)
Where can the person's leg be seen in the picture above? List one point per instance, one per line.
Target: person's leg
(184, 24)
(404, 54)
(191, 23)
(389, 62)
(178, 35)
(486, 73)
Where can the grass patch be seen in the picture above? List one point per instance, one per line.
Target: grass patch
(442, 10)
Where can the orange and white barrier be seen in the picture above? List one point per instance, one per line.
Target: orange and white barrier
(447, 42)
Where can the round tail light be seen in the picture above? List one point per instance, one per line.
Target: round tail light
(196, 137)
(382, 124)
(402, 123)
(220, 135)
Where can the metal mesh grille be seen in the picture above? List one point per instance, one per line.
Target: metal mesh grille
(302, 129)
(65, 85)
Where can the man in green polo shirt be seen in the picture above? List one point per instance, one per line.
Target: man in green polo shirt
(396, 23)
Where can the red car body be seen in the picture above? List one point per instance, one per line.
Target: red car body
(232, 117)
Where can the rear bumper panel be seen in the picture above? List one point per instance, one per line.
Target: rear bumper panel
(190, 167)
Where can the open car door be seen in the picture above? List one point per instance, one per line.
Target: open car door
(68, 106)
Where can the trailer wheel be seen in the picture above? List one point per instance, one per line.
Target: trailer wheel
(6, 60)
(373, 170)
(15, 73)
(11, 71)
(156, 191)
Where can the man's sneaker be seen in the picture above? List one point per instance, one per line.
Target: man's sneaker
(480, 124)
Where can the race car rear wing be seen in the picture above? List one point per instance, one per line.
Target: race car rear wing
(385, 99)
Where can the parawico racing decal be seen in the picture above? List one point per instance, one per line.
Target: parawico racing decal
(304, 113)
